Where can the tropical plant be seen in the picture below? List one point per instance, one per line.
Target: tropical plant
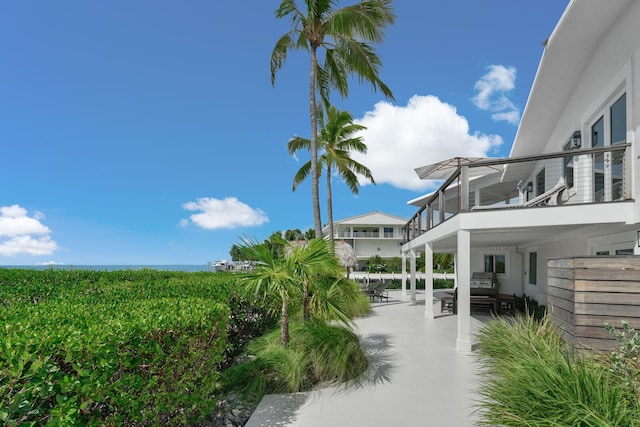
(531, 377)
(310, 234)
(271, 279)
(312, 261)
(292, 235)
(346, 36)
(336, 142)
(290, 275)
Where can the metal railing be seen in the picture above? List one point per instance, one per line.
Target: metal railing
(367, 234)
(583, 176)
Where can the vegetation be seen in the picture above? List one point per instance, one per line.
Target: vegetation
(304, 283)
(82, 347)
(317, 353)
(442, 262)
(437, 284)
(336, 142)
(531, 377)
(345, 36)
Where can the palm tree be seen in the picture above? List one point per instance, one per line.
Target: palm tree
(312, 261)
(336, 141)
(285, 276)
(271, 279)
(292, 235)
(310, 234)
(346, 36)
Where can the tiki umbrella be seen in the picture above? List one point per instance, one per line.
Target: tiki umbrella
(346, 255)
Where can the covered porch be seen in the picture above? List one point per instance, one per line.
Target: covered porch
(469, 235)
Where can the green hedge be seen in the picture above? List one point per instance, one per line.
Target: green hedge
(110, 348)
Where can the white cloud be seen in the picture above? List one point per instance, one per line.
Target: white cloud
(28, 245)
(24, 234)
(424, 131)
(226, 213)
(492, 93)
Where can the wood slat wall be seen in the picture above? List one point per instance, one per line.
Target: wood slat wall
(585, 293)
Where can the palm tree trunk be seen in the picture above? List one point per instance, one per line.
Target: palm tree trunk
(315, 195)
(305, 301)
(284, 323)
(330, 209)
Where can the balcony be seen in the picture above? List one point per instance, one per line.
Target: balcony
(367, 235)
(585, 176)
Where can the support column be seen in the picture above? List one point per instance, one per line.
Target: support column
(428, 281)
(413, 276)
(404, 273)
(463, 278)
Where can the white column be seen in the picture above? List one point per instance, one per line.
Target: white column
(428, 281)
(463, 273)
(413, 276)
(404, 273)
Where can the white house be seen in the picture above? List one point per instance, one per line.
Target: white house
(571, 184)
(371, 234)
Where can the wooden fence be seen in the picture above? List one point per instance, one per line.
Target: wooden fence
(585, 293)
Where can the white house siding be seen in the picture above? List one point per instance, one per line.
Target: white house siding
(384, 249)
(509, 282)
(613, 69)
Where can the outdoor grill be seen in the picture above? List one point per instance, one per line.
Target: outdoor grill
(480, 279)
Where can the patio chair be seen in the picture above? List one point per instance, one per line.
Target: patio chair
(550, 197)
(381, 292)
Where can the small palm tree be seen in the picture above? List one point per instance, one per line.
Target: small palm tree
(272, 279)
(312, 261)
(288, 276)
(337, 142)
(345, 35)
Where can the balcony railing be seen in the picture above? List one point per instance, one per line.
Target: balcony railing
(367, 234)
(586, 176)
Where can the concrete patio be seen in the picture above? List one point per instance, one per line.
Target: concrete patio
(416, 377)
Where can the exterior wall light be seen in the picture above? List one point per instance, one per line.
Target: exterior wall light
(576, 140)
(530, 187)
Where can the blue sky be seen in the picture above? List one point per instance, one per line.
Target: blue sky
(148, 131)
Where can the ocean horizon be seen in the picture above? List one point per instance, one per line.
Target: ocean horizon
(162, 267)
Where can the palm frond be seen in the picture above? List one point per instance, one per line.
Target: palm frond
(301, 175)
(298, 143)
(279, 54)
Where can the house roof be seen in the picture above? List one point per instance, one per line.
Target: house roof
(568, 50)
(372, 218)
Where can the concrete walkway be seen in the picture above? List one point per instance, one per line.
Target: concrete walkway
(416, 377)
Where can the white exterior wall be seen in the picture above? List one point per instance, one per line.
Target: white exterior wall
(613, 70)
(369, 247)
(568, 247)
(509, 282)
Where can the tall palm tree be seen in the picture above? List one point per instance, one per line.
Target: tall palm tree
(346, 36)
(336, 142)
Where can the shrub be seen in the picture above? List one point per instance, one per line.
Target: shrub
(317, 353)
(625, 360)
(530, 377)
(437, 284)
(112, 348)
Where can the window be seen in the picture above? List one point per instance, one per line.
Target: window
(533, 268)
(619, 121)
(608, 167)
(540, 184)
(388, 232)
(597, 140)
(568, 166)
(495, 263)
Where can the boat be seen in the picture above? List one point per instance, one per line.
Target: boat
(220, 265)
